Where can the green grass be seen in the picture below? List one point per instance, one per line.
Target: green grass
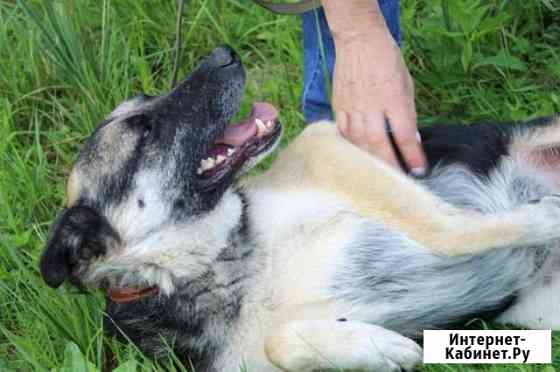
(65, 64)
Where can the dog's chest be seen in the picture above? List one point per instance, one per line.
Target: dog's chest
(301, 236)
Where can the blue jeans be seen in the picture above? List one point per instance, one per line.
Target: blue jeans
(316, 101)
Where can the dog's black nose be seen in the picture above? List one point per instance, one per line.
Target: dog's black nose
(223, 57)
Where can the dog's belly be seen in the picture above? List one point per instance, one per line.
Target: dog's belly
(320, 250)
(323, 261)
(395, 282)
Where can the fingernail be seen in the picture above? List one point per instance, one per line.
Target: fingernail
(418, 137)
(418, 172)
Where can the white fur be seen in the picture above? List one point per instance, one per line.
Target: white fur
(134, 223)
(161, 255)
(358, 346)
(539, 304)
(126, 108)
(306, 230)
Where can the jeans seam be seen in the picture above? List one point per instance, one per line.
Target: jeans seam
(312, 80)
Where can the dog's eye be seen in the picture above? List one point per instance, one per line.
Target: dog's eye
(141, 123)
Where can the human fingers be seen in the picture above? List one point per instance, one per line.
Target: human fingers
(377, 139)
(402, 120)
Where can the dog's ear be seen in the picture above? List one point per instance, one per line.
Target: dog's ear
(546, 157)
(78, 235)
(538, 144)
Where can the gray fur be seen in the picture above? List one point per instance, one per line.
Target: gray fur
(411, 289)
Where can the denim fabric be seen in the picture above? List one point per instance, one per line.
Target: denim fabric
(315, 100)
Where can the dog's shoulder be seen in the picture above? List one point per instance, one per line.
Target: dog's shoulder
(314, 155)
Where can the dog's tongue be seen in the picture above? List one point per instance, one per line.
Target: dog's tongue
(239, 133)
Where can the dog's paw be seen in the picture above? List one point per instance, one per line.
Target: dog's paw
(399, 352)
(79, 236)
(319, 344)
(370, 347)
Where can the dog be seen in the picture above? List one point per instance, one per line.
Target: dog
(329, 259)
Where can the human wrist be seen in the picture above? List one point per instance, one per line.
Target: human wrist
(380, 44)
(355, 20)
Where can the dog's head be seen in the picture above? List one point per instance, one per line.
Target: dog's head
(151, 189)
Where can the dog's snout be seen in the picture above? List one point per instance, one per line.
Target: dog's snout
(223, 57)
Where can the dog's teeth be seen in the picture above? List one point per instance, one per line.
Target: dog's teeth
(269, 124)
(230, 152)
(220, 159)
(261, 128)
(208, 163)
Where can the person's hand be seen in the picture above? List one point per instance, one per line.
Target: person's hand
(371, 84)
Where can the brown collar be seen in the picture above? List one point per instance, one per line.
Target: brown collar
(124, 295)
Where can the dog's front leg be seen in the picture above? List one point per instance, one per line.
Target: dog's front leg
(321, 160)
(308, 345)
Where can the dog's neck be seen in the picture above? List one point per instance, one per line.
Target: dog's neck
(200, 313)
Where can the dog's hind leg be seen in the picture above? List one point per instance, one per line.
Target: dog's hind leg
(321, 160)
(310, 345)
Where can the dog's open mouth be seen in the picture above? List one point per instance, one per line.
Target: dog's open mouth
(240, 142)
